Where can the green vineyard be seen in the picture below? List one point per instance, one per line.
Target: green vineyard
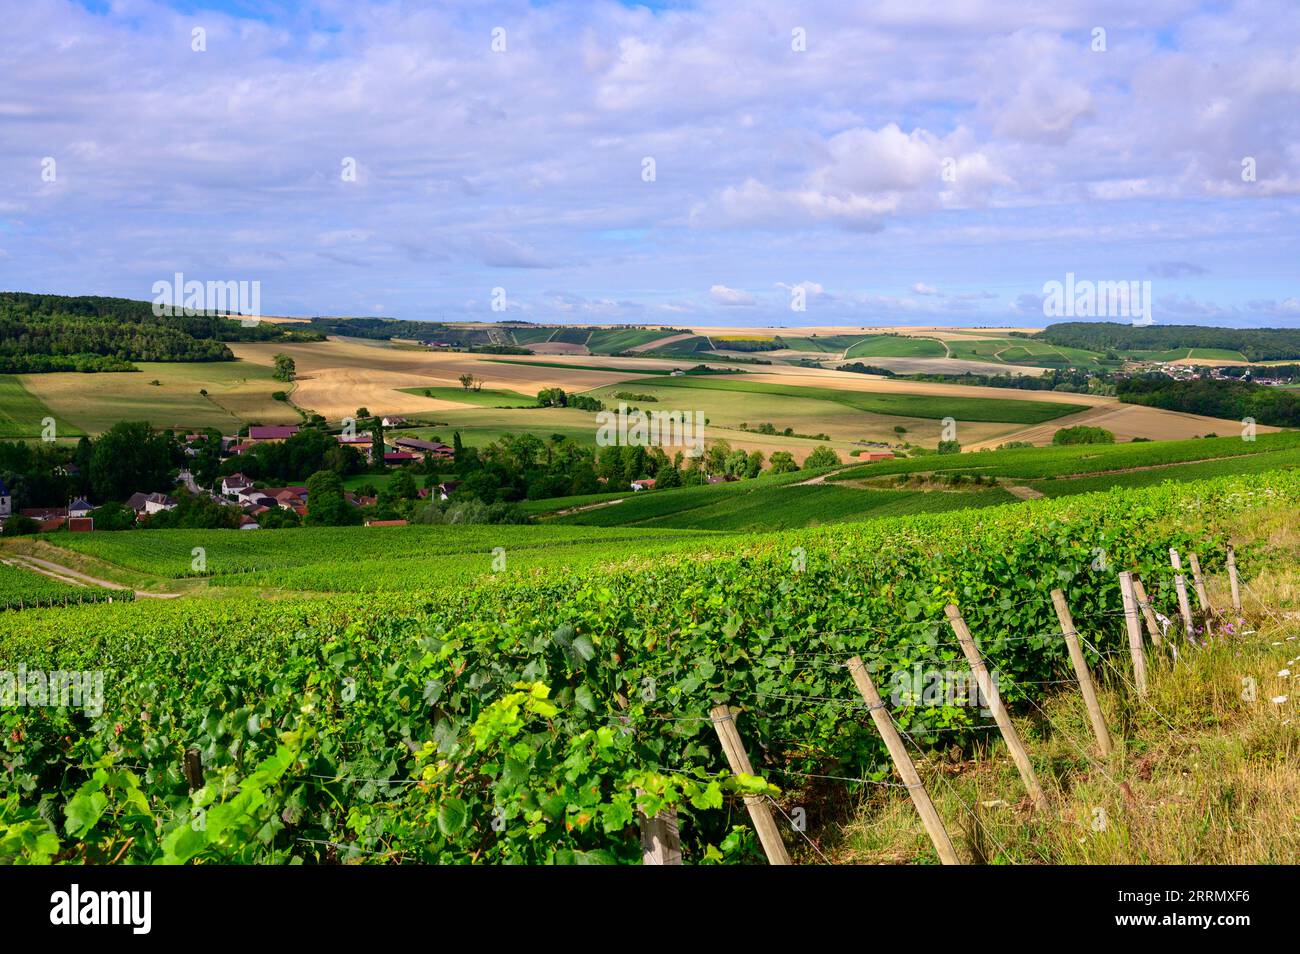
(529, 719)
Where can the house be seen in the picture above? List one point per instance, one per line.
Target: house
(270, 435)
(243, 448)
(417, 446)
(397, 458)
(81, 524)
(394, 422)
(871, 456)
(157, 503)
(447, 488)
(385, 523)
(362, 442)
(247, 523)
(80, 507)
(235, 484)
(49, 518)
(646, 483)
(6, 501)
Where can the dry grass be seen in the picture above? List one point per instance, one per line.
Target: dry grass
(1202, 773)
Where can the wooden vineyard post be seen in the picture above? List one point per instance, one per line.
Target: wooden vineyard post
(660, 838)
(1202, 598)
(990, 693)
(1135, 647)
(903, 763)
(724, 723)
(1081, 672)
(1148, 614)
(1236, 586)
(194, 769)
(1181, 586)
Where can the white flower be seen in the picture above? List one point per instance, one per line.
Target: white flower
(1278, 700)
(1284, 672)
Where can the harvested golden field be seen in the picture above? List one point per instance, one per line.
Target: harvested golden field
(337, 376)
(1125, 421)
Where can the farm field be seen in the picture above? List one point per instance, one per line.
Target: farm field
(340, 375)
(238, 391)
(904, 404)
(1037, 463)
(22, 588)
(544, 656)
(487, 397)
(21, 413)
(897, 346)
(366, 559)
(740, 506)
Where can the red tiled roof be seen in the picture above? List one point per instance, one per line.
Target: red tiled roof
(272, 433)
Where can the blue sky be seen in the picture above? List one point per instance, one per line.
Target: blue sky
(913, 163)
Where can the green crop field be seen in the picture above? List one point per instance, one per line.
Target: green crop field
(577, 336)
(924, 406)
(487, 397)
(821, 344)
(527, 336)
(23, 589)
(1037, 463)
(21, 413)
(237, 391)
(532, 717)
(896, 346)
(612, 340)
(371, 559)
(740, 506)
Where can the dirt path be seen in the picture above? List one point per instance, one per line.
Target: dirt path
(1021, 491)
(68, 575)
(822, 479)
(586, 507)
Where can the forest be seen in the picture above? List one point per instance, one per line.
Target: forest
(1256, 344)
(45, 333)
(1233, 400)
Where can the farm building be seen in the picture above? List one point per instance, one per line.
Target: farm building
(6, 501)
(235, 484)
(266, 435)
(416, 445)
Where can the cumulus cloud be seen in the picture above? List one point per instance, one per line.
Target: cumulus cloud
(731, 297)
(995, 140)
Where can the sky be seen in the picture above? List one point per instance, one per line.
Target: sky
(708, 163)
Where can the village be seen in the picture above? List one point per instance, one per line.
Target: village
(237, 491)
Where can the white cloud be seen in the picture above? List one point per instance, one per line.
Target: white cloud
(731, 297)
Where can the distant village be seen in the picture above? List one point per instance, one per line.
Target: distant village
(239, 491)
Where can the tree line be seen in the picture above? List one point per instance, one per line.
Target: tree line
(1256, 344)
(47, 333)
(1232, 400)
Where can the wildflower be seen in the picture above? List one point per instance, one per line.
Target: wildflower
(1284, 672)
(1278, 700)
